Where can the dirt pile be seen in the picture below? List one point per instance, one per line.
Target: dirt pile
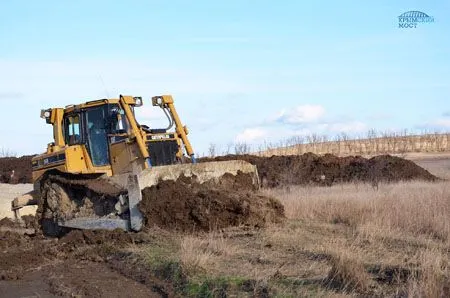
(187, 205)
(310, 168)
(21, 167)
(9, 223)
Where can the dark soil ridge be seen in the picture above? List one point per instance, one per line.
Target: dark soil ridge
(21, 167)
(309, 168)
(284, 170)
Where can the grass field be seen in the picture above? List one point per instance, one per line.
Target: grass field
(337, 241)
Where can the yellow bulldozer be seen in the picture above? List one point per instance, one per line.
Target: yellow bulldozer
(92, 174)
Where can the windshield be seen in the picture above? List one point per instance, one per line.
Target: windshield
(96, 119)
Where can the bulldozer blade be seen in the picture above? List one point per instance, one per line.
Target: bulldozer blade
(87, 223)
(204, 172)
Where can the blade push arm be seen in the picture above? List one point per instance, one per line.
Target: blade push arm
(125, 102)
(166, 101)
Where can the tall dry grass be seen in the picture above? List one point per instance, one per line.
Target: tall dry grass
(416, 214)
(419, 208)
(347, 273)
(198, 254)
(434, 277)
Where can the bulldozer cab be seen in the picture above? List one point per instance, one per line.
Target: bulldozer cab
(96, 127)
(106, 130)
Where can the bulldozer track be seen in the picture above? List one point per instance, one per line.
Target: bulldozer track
(64, 197)
(99, 185)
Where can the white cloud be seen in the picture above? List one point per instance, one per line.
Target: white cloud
(250, 135)
(444, 123)
(301, 114)
(275, 133)
(437, 124)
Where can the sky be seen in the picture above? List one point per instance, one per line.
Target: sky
(254, 72)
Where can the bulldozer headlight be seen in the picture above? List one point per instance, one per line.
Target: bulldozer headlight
(157, 101)
(137, 101)
(45, 114)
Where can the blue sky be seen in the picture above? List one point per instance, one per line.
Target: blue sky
(240, 71)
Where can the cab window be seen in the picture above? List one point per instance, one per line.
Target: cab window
(72, 129)
(119, 122)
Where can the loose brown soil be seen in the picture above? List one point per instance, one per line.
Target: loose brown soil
(81, 263)
(310, 168)
(7, 222)
(187, 205)
(21, 167)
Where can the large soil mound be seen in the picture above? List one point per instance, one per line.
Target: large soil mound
(21, 167)
(310, 168)
(186, 205)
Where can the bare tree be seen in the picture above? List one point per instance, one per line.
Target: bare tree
(212, 150)
(241, 148)
(347, 143)
(371, 141)
(5, 152)
(404, 142)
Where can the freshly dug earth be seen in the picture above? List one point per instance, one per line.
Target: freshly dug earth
(310, 168)
(28, 225)
(187, 205)
(81, 263)
(21, 167)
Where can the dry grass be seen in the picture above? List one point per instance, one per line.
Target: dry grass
(340, 241)
(198, 254)
(347, 273)
(193, 256)
(403, 227)
(419, 208)
(434, 278)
